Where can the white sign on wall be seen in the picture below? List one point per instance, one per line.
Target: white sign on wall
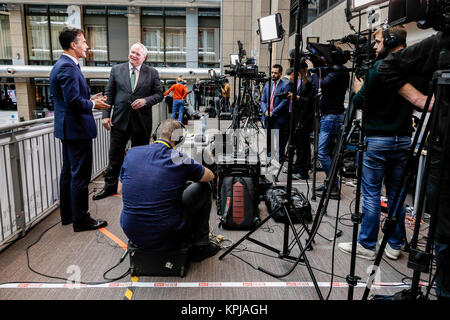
(74, 16)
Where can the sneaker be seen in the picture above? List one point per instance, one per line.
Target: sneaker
(201, 253)
(360, 250)
(390, 252)
(320, 188)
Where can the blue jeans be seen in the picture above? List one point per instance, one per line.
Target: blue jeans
(386, 158)
(178, 107)
(330, 126)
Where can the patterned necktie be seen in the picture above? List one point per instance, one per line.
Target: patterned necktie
(271, 96)
(133, 78)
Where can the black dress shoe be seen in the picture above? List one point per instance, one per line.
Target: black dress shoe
(92, 224)
(106, 192)
(66, 222)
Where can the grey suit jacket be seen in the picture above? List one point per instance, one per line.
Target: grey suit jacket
(120, 96)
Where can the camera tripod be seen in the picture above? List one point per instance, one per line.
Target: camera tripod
(287, 204)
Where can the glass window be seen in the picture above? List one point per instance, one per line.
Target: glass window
(57, 23)
(208, 47)
(175, 47)
(38, 38)
(153, 35)
(106, 32)
(43, 25)
(97, 39)
(153, 38)
(5, 38)
(208, 38)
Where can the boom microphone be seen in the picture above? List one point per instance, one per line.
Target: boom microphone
(353, 39)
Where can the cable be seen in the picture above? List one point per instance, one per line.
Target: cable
(61, 278)
(334, 245)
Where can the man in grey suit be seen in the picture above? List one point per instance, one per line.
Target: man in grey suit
(132, 90)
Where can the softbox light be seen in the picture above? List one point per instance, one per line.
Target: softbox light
(270, 28)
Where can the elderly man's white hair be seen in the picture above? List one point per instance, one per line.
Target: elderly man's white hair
(144, 48)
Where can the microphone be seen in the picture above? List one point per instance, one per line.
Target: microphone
(353, 38)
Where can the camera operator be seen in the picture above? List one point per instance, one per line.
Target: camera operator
(334, 87)
(304, 120)
(395, 72)
(387, 127)
(277, 109)
(159, 210)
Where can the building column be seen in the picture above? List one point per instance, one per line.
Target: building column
(191, 37)
(134, 26)
(25, 91)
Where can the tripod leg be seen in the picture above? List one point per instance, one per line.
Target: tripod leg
(256, 227)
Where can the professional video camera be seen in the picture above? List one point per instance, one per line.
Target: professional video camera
(359, 55)
(243, 67)
(247, 70)
(428, 14)
(322, 56)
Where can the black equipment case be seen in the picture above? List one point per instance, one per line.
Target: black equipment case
(301, 207)
(174, 263)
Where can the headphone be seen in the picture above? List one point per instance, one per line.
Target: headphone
(390, 41)
(180, 139)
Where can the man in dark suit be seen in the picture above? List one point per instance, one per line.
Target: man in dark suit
(75, 126)
(276, 109)
(132, 90)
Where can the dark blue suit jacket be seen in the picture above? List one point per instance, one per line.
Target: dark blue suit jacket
(280, 113)
(73, 109)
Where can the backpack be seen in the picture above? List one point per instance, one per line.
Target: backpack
(238, 203)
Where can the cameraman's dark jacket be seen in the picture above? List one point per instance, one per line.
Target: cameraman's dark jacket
(395, 71)
(334, 86)
(305, 113)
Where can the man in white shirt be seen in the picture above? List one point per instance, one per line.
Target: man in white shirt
(133, 89)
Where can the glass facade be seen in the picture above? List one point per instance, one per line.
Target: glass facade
(5, 37)
(43, 24)
(163, 32)
(106, 31)
(164, 35)
(208, 38)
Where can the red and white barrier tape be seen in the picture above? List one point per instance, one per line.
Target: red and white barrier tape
(195, 285)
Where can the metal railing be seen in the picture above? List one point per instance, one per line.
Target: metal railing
(30, 164)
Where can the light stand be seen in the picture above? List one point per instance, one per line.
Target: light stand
(270, 31)
(284, 254)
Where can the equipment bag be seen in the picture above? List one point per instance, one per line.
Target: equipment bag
(238, 203)
(301, 207)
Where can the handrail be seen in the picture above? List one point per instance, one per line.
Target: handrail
(30, 71)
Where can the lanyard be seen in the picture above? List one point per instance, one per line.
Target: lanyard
(164, 143)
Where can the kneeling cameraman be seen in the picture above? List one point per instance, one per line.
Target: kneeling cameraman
(159, 211)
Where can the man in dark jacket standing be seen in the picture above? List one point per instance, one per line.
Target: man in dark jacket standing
(75, 126)
(132, 90)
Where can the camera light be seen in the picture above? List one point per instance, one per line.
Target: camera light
(234, 59)
(270, 28)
